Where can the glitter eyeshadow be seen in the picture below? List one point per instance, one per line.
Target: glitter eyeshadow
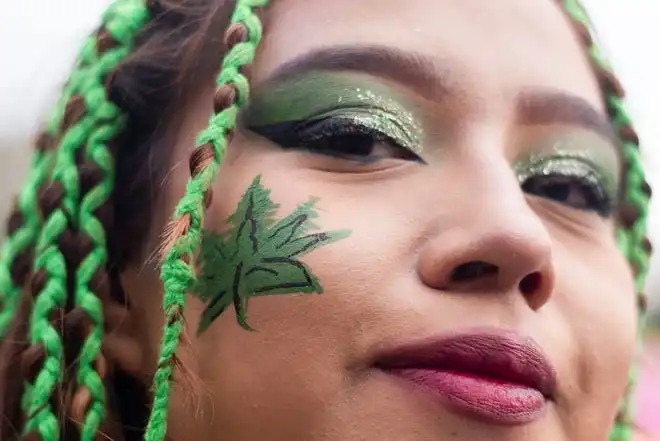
(382, 115)
(365, 100)
(567, 162)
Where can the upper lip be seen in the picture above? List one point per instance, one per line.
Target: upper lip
(499, 355)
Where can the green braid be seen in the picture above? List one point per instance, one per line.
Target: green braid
(49, 281)
(22, 240)
(102, 120)
(632, 233)
(28, 204)
(177, 272)
(122, 22)
(51, 296)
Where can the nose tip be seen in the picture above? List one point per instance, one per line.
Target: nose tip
(494, 260)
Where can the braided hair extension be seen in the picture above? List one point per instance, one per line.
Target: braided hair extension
(25, 221)
(634, 209)
(183, 234)
(74, 225)
(22, 229)
(71, 245)
(121, 24)
(139, 60)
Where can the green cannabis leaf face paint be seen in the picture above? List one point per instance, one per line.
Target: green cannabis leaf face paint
(258, 255)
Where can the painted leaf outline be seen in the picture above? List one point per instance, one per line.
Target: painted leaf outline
(280, 275)
(267, 276)
(256, 255)
(214, 263)
(213, 310)
(292, 227)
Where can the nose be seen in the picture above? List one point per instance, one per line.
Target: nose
(501, 250)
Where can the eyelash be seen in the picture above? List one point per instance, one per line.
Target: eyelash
(322, 136)
(338, 137)
(558, 187)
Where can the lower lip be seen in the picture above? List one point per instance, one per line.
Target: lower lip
(491, 400)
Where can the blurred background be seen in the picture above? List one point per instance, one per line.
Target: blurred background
(39, 40)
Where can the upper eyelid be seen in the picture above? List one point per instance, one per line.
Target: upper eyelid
(320, 120)
(405, 136)
(609, 183)
(299, 95)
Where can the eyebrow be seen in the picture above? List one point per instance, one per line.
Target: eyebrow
(539, 107)
(409, 68)
(436, 81)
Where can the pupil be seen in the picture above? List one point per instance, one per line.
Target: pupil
(555, 191)
(559, 192)
(359, 145)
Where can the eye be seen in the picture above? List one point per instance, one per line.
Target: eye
(361, 137)
(583, 192)
(351, 139)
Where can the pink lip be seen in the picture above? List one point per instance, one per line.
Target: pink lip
(499, 377)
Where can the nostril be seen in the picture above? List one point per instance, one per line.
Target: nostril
(530, 283)
(473, 270)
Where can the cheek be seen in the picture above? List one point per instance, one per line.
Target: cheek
(304, 342)
(597, 299)
(351, 271)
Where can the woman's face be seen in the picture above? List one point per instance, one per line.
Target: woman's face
(459, 153)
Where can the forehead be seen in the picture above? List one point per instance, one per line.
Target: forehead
(496, 47)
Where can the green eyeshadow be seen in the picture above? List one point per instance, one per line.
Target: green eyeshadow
(314, 95)
(572, 156)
